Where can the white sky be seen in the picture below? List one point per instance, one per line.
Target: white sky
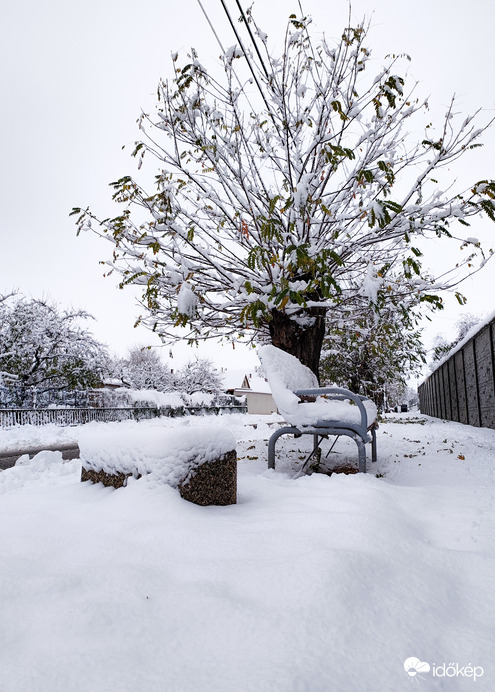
(75, 75)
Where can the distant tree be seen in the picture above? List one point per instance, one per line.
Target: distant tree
(282, 183)
(44, 347)
(5, 377)
(144, 369)
(375, 352)
(199, 375)
(465, 323)
(398, 393)
(442, 346)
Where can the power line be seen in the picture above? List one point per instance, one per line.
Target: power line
(234, 29)
(211, 27)
(248, 27)
(241, 45)
(236, 34)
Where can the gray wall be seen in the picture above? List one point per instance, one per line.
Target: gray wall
(463, 388)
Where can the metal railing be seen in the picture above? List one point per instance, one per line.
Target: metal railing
(10, 418)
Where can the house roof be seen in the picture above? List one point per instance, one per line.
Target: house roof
(258, 384)
(245, 381)
(232, 379)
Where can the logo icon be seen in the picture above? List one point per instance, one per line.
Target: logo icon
(413, 666)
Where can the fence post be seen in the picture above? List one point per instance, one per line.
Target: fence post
(492, 343)
(477, 381)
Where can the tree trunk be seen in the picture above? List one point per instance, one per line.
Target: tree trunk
(300, 340)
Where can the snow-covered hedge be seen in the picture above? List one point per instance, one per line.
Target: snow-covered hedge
(16, 396)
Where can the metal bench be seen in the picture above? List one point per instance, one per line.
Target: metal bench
(313, 410)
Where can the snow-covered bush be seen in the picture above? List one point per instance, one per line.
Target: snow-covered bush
(201, 399)
(442, 346)
(374, 352)
(199, 375)
(150, 397)
(143, 369)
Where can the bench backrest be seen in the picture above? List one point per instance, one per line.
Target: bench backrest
(285, 371)
(285, 375)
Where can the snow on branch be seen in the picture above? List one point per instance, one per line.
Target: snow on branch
(281, 187)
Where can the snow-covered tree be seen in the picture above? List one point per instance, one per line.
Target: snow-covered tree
(442, 346)
(465, 323)
(287, 189)
(5, 377)
(199, 375)
(43, 347)
(398, 393)
(375, 351)
(144, 369)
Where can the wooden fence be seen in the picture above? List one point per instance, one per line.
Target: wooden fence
(9, 418)
(462, 388)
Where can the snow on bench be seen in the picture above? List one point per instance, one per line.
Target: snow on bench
(200, 462)
(314, 410)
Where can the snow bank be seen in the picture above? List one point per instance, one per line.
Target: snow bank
(168, 399)
(200, 399)
(311, 585)
(152, 396)
(45, 469)
(171, 455)
(23, 437)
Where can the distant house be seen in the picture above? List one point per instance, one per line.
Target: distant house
(112, 383)
(255, 388)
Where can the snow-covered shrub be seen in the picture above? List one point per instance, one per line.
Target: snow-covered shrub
(199, 375)
(144, 369)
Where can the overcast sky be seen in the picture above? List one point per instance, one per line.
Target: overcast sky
(75, 76)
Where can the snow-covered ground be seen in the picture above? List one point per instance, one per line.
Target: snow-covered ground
(308, 584)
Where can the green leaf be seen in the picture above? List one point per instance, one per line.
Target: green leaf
(365, 176)
(337, 107)
(436, 301)
(489, 208)
(138, 148)
(434, 145)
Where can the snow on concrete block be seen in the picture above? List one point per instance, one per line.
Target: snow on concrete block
(174, 456)
(213, 483)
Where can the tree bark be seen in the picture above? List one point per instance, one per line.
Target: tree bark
(304, 341)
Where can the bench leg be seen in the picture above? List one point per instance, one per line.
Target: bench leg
(295, 431)
(373, 444)
(361, 455)
(273, 441)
